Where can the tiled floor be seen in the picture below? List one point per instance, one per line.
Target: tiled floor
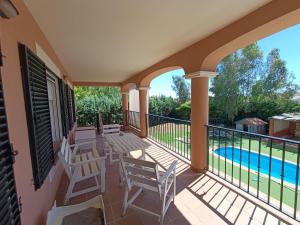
(200, 199)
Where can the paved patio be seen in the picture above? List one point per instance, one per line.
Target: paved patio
(200, 199)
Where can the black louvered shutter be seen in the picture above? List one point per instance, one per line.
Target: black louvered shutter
(70, 106)
(73, 105)
(38, 115)
(67, 104)
(62, 107)
(9, 206)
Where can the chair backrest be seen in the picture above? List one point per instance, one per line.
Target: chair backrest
(65, 156)
(111, 129)
(85, 135)
(99, 123)
(141, 173)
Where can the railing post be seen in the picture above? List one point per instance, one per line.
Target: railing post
(143, 97)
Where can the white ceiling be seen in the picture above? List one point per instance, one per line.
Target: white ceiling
(111, 40)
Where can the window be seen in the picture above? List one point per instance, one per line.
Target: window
(54, 106)
(35, 87)
(67, 107)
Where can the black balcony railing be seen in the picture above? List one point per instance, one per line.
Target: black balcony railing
(172, 133)
(134, 119)
(263, 166)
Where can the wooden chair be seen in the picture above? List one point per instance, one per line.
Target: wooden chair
(110, 153)
(56, 214)
(80, 166)
(84, 134)
(145, 175)
(109, 128)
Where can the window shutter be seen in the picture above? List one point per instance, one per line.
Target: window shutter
(66, 105)
(38, 115)
(73, 104)
(9, 206)
(62, 107)
(70, 107)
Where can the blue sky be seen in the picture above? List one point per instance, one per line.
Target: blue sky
(287, 41)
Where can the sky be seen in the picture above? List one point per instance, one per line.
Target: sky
(287, 41)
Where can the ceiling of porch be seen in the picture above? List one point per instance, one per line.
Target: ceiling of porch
(109, 41)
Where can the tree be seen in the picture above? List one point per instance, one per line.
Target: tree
(161, 105)
(247, 86)
(91, 100)
(181, 88)
(277, 80)
(225, 87)
(249, 68)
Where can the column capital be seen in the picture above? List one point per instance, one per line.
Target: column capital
(143, 88)
(209, 74)
(125, 92)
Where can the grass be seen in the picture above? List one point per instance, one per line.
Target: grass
(168, 134)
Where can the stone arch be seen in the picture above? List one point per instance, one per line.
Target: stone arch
(274, 26)
(145, 82)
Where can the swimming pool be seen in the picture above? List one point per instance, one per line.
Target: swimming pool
(276, 164)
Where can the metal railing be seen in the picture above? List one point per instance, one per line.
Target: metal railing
(134, 119)
(174, 134)
(263, 166)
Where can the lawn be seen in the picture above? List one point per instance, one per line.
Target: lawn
(173, 136)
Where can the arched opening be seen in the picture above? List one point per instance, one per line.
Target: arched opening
(265, 69)
(256, 94)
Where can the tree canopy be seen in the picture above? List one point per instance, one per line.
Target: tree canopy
(91, 100)
(249, 86)
(181, 88)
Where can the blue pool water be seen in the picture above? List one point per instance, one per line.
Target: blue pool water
(276, 164)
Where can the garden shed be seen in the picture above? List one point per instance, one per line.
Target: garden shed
(253, 125)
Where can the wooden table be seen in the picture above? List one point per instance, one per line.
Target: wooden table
(124, 143)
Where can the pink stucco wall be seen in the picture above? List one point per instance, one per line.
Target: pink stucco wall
(25, 30)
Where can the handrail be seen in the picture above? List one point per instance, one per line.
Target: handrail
(254, 134)
(170, 118)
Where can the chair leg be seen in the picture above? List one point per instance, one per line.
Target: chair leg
(102, 177)
(162, 214)
(121, 176)
(163, 205)
(125, 202)
(110, 156)
(69, 191)
(174, 187)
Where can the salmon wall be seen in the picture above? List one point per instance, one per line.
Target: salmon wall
(24, 29)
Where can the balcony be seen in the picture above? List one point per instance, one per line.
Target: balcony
(49, 47)
(201, 198)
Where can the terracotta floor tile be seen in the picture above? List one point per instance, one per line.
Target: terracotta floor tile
(134, 219)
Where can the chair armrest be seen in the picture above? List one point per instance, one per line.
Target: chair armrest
(168, 172)
(112, 125)
(83, 143)
(88, 161)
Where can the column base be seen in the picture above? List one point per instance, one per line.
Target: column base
(198, 170)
